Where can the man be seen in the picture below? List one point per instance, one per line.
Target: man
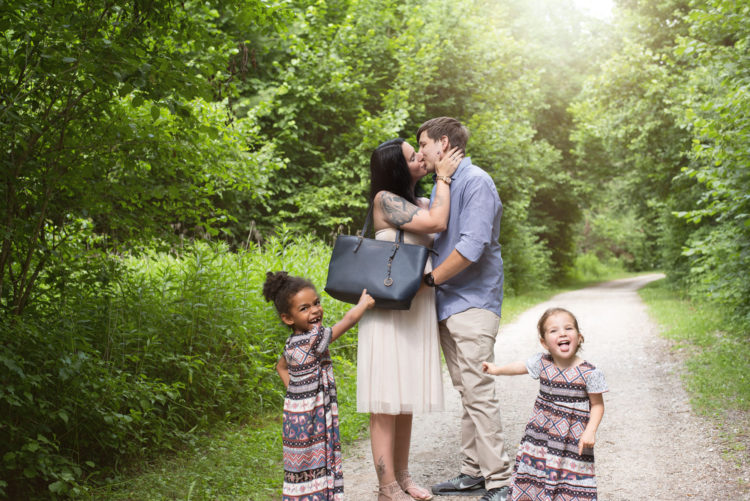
(469, 289)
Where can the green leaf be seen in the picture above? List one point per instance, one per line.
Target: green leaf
(58, 487)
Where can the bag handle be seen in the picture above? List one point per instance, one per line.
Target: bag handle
(399, 232)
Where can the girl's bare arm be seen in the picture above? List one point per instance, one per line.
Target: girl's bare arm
(283, 369)
(352, 316)
(588, 438)
(512, 369)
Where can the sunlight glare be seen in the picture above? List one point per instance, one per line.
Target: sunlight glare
(601, 9)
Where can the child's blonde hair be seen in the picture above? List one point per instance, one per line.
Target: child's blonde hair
(554, 311)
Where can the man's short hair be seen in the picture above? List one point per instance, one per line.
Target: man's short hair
(458, 134)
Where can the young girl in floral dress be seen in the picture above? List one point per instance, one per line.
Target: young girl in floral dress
(555, 461)
(312, 447)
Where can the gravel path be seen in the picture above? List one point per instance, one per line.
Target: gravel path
(650, 446)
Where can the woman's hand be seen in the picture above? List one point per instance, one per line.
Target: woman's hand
(447, 165)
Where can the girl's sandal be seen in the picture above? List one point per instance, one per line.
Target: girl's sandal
(392, 492)
(411, 488)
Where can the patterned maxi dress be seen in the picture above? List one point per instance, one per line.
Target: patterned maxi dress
(312, 447)
(548, 466)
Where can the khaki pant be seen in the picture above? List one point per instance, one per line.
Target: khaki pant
(468, 339)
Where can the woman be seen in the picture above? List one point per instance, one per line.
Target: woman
(398, 360)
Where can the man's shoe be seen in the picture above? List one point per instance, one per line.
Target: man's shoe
(462, 485)
(499, 494)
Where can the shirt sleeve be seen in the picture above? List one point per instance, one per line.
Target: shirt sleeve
(321, 339)
(595, 382)
(476, 218)
(534, 365)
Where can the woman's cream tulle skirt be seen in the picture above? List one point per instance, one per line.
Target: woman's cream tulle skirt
(398, 358)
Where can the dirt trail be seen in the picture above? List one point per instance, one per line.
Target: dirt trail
(650, 446)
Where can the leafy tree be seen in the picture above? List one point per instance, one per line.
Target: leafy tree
(106, 115)
(716, 110)
(667, 116)
(564, 46)
(350, 75)
(628, 135)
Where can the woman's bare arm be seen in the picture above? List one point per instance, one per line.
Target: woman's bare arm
(398, 212)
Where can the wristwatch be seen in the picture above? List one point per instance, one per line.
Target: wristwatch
(429, 279)
(445, 179)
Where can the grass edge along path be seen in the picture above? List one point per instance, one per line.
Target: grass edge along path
(244, 463)
(716, 358)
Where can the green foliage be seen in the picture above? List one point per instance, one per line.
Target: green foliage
(564, 47)
(716, 111)
(714, 344)
(665, 128)
(616, 232)
(144, 352)
(590, 268)
(226, 465)
(105, 116)
(526, 260)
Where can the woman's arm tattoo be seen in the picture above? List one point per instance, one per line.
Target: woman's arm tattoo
(397, 210)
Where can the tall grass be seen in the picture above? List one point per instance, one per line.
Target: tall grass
(713, 344)
(148, 354)
(235, 462)
(717, 355)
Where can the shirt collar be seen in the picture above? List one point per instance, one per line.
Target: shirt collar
(461, 167)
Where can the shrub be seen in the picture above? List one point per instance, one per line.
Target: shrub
(141, 362)
(588, 267)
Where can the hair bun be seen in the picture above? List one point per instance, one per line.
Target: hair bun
(275, 281)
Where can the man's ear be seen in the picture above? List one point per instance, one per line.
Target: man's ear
(445, 143)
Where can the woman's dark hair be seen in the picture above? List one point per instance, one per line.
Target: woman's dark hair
(389, 171)
(280, 287)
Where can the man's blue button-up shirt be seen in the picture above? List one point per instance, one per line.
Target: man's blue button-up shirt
(473, 230)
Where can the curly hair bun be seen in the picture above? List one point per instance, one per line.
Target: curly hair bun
(275, 281)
